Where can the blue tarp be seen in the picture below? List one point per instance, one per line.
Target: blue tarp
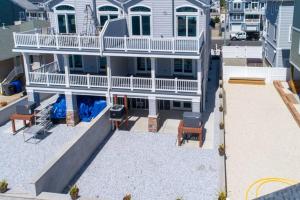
(17, 85)
(89, 107)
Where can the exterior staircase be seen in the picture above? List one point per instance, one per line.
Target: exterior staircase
(13, 75)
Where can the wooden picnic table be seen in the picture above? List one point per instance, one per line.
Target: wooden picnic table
(25, 118)
(189, 130)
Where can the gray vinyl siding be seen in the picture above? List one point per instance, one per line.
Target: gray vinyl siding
(90, 64)
(295, 49)
(296, 21)
(284, 26)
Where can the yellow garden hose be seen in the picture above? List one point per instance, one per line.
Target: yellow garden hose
(263, 181)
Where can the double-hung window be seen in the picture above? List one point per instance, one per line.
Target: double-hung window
(140, 17)
(183, 66)
(187, 21)
(75, 62)
(107, 13)
(237, 6)
(66, 19)
(143, 65)
(237, 17)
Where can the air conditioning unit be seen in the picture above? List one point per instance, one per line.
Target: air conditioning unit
(117, 111)
(192, 119)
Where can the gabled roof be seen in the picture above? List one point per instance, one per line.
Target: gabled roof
(25, 4)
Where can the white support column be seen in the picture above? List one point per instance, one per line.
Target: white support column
(153, 67)
(67, 70)
(199, 78)
(26, 67)
(108, 59)
(33, 96)
(196, 107)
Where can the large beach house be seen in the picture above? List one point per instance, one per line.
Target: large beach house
(246, 15)
(155, 52)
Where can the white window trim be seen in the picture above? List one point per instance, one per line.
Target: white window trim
(131, 14)
(107, 13)
(187, 14)
(290, 34)
(237, 17)
(73, 60)
(181, 106)
(146, 71)
(237, 7)
(64, 12)
(182, 73)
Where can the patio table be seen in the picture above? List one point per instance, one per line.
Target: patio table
(25, 118)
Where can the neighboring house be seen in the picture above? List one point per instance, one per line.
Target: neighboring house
(12, 11)
(246, 15)
(155, 52)
(10, 61)
(277, 37)
(295, 38)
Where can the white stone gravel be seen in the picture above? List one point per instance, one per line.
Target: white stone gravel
(150, 166)
(20, 162)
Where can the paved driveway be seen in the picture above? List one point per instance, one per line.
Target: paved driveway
(262, 139)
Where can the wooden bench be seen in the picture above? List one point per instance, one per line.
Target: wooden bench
(188, 130)
(247, 80)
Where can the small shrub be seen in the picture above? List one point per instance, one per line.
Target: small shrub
(217, 19)
(222, 196)
(179, 198)
(220, 95)
(221, 149)
(3, 103)
(221, 108)
(74, 192)
(221, 125)
(3, 186)
(127, 197)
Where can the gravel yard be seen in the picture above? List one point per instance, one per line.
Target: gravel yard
(150, 166)
(21, 162)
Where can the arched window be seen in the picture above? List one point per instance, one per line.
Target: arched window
(186, 21)
(66, 19)
(140, 9)
(140, 18)
(186, 9)
(107, 13)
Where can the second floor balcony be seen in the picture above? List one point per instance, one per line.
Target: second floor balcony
(107, 43)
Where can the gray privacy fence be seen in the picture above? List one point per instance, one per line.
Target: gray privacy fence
(70, 160)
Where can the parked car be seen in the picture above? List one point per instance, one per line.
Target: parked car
(253, 36)
(238, 36)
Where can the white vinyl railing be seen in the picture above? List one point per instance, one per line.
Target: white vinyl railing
(150, 44)
(101, 43)
(117, 82)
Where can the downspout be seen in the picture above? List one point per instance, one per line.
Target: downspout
(173, 18)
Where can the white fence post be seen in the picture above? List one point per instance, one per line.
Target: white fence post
(88, 81)
(79, 42)
(37, 40)
(149, 44)
(131, 83)
(176, 84)
(56, 40)
(47, 78)
(125, 43)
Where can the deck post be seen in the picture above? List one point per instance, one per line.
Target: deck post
(108, 73)
(67, 70)
(125, 43)
(26, 67)
(37, 40)
(153, 117)
(131, 82)
(88, 81)
(153, 66)
(176, 84)
(199, 77)
(72, 117)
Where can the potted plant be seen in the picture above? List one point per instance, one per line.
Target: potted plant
(221, 125)
(221, 108)
(222, 196)
(220, 95)
(127, 197)
(3, 186)
(74, 192)
(221, 149)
